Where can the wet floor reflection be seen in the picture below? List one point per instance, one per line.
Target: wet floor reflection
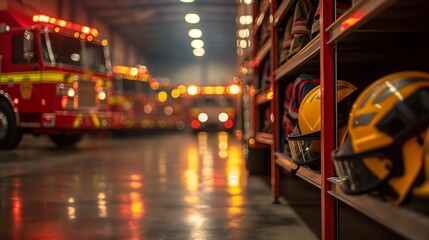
(179, 186)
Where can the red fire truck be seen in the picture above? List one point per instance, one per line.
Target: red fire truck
(170, 106)
(213, 107)
(144, 103)
(55, 79)
(133, 97)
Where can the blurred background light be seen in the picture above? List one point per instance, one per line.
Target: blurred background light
(199, 52)
(197, 43)
(195, 33)
(192, 18)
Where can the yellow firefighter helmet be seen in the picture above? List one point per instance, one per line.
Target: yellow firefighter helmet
(304, 141)
(384, 145)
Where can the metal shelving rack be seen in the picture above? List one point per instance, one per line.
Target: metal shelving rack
(261, 51)
(360, 39)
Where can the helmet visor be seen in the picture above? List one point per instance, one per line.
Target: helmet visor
(360, 173)
(305, 149)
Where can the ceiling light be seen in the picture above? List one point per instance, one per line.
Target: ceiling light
(195, 33)
(243, 43)
(187, 1)
(243, 33)
(197, 43)
(245, 20)
(192, 18)
(199, 52)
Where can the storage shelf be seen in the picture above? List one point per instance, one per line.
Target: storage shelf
(370, 40)
(381, 16)
(266, 138)
(355, 17)
(409, 224)
(264, 97)
(285, 161)
(262, 53)
(310, 51)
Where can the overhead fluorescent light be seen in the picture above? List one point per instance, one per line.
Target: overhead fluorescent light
(199, 52)
(197, 43)
(195, 33)
(192, 18)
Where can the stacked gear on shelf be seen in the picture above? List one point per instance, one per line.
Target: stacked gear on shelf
(287, 40)
(296, 32)
(302, 25)
(302, 85)
(383, 152)
(299, 31)
(341, 7)
(285, 120)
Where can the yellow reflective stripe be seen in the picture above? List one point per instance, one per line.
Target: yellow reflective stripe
(77, 121)
(53, 76)
(96, 121)
(34, 76)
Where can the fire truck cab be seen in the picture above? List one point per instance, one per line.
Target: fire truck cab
(132, 97)
(55, 79)
(213, 107)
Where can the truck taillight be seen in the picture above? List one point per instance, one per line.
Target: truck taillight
(229, 124)
(195, 124)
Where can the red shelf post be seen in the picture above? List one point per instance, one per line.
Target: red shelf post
(275, 181)
(328, 120)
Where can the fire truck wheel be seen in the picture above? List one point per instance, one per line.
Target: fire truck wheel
(66, 140)
(10, 133)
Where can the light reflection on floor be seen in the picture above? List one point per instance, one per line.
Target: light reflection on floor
(179, 186)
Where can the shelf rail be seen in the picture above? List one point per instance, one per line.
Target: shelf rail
(407, 223)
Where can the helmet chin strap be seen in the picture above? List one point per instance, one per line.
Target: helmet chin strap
(294, 171)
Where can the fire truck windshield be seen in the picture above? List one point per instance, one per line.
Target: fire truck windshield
(212, 101)
(59, 49)
(133, 86)
(96, 57)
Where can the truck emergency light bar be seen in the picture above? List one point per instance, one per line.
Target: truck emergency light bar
(132, 73)
(213, 90)
(62, 23)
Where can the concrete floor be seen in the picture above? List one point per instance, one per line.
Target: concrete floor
(175, 186)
